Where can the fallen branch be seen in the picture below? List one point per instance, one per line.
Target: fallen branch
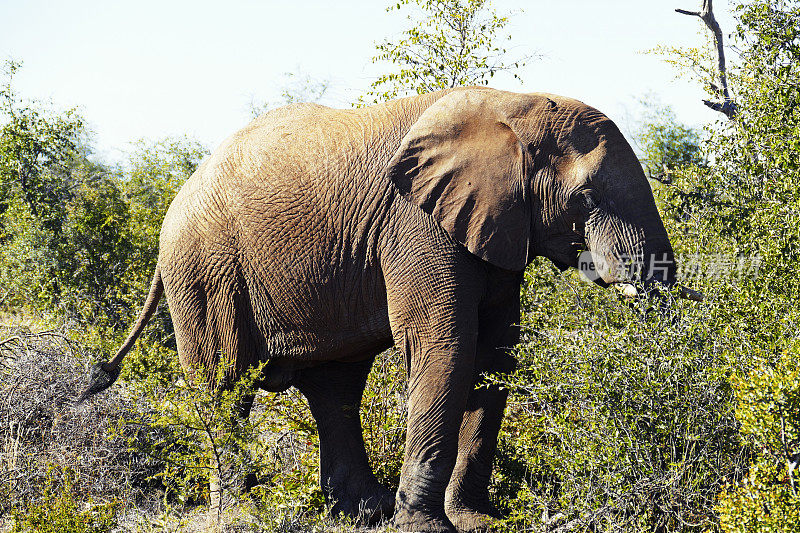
(727, 106)
(10, 339)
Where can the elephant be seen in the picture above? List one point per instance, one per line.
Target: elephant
(315, 238)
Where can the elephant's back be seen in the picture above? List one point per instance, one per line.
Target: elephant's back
(311, 146)
(257, 156)
(305, 164)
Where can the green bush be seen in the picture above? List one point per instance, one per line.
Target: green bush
(620, 414)
(200, 434)
(60, 511)
(79, 238)
(383, 417)
(768, 408)
(152, 177)
(665, 143)
(38, 149)
(194, 431)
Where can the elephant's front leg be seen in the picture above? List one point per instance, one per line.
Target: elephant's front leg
(433, 293)
(439, 377)
(334, 391)
(467, 500)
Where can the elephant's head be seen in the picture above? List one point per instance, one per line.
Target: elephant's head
(514, 176)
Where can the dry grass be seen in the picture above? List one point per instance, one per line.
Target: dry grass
(41, 427)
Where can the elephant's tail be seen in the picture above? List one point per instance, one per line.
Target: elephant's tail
(103, 375)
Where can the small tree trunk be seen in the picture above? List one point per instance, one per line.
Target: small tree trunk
(727, 106)
(214, 519)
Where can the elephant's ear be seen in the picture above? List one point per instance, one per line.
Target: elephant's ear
(461, 163)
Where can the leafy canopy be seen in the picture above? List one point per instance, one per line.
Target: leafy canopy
(451, 43)
(36, 149)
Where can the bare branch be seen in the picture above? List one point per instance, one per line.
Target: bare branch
(663, 177)
(727, 106)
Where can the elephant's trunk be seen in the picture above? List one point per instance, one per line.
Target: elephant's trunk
(659, 268)
(629, 253)
(629, 290)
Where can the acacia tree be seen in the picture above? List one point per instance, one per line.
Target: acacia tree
(727, 106)
(451, 43)
(748, 199)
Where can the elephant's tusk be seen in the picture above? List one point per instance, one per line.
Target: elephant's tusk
(690, 294)
(627, 290)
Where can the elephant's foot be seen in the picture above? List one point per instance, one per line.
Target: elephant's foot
(368, 507)
(423, 522)
(417, 518)
(467, 520)
(472, 517)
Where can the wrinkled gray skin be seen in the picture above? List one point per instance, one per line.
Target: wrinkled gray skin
(315, 238)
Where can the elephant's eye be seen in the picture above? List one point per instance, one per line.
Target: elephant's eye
(590, 199)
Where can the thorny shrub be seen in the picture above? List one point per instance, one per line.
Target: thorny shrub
(41, 376)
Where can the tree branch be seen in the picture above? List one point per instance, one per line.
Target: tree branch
(663, 177)
(727, 106)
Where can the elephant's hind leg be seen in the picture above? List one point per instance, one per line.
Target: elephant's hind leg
(334, 391)
(217, 338)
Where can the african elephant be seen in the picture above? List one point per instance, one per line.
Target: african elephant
(315, 238)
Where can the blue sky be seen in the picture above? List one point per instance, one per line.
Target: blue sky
(157, 68)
